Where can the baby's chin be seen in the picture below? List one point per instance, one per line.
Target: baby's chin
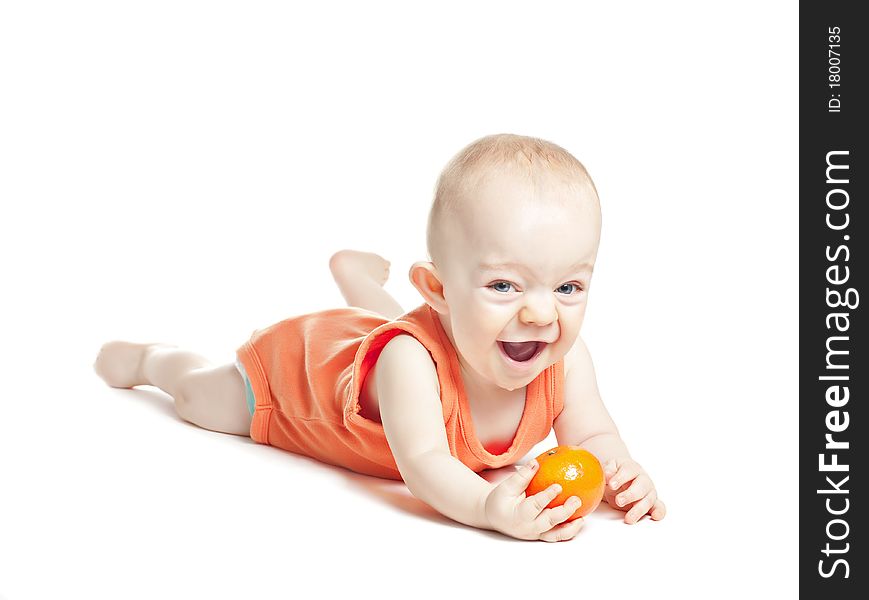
(514, 384)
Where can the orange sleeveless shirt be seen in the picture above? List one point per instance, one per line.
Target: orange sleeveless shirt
(307, 372)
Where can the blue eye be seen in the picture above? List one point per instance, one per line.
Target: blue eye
(501, 289)
(562, 290)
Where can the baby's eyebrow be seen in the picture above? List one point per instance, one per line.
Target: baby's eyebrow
(499, 266)
(580, 266)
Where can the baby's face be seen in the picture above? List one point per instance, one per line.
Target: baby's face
(519, 269)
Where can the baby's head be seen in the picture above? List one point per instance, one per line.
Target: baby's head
(512, 238)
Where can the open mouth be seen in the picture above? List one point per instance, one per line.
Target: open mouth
(522, 351)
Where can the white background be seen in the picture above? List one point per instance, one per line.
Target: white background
(182, 171)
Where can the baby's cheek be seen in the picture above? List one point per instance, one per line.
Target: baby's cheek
(569, 333)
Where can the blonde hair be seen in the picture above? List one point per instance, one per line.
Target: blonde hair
(526, 156)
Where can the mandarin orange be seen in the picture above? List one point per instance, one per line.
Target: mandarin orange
(577, 471)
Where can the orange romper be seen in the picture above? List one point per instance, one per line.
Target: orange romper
(306, 374)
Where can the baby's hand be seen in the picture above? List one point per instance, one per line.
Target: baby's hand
(630, 489)
(511, 513)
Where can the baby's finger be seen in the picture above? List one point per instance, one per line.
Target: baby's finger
(551, 517)
(610, 495)
(532, 506)
(517, 482)
(627, 471)
(640, 508)
(658, 511)
(638, 489)
(610, 468)
(563, 532)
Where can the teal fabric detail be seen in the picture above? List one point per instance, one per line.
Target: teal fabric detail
(248, 390)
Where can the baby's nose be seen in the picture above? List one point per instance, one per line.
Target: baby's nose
(538, 313)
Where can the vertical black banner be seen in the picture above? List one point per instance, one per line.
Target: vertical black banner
(834, 369)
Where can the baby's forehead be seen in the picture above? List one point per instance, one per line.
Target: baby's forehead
(507, 204)
(505, 209)
(539, 238)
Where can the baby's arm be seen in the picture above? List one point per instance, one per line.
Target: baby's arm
(410, 409)
(586, 422)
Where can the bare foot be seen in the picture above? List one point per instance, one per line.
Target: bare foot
(120, 363)
(352, 264)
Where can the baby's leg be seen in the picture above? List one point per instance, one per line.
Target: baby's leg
(210, 396)
(360, 277)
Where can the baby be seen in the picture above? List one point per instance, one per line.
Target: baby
(470, 380)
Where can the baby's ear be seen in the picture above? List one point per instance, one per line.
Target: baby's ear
(424, 277)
